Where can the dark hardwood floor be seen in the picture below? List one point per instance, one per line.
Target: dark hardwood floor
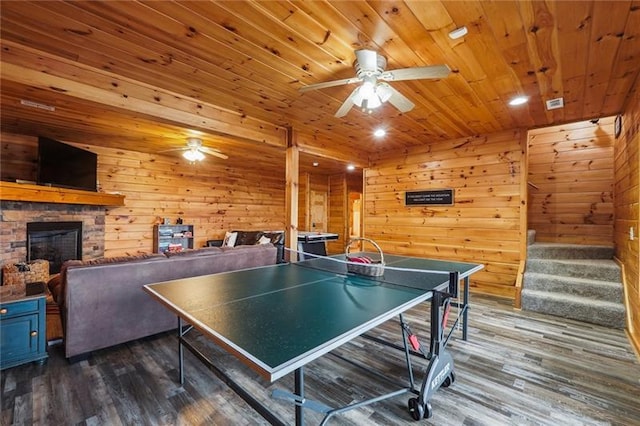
(517, 368)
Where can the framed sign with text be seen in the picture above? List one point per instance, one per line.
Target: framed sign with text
(436, 197)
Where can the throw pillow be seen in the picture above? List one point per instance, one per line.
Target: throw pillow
(229, 239)
(264, 240)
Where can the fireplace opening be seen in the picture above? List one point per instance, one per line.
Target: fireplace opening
(55, 242)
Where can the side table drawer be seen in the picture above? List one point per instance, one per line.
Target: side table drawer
(10, 310)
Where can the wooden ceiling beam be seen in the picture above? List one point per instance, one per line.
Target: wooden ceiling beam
(23, 65)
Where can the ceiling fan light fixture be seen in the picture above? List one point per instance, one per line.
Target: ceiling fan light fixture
(193, 155)
(371, 103)
(371, 70)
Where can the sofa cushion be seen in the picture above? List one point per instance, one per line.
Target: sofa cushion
(55, 287)
(206, 251)
(264, 240)
(230, 239)
(276, 237)
(116, 259)
(248, 238)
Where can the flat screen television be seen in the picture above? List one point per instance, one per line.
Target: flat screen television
(66, 166)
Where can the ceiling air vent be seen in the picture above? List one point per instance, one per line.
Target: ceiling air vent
(37, 105)
(555, 103)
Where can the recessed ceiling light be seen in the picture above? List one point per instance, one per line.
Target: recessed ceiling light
(458, 32)
(379, 133)
(518, 100)
(316, 164)
(351, 167)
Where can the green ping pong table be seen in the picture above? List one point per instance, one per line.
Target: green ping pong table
(276, 319)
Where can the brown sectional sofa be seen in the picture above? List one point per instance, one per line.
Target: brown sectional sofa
(102, 302)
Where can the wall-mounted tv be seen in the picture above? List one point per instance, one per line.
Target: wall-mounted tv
(66, 166)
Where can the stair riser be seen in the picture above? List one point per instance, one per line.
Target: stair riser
(594, 272)
(574, 252)
(604, 292)
(580, 312)
(531, 237)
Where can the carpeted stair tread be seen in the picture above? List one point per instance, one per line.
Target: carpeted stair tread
(610, 291)
(598, 269)
(574, 307)
(568, 251)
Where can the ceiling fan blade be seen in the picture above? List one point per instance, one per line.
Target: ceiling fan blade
(347, 104)
(416, 73)
(399, 100)
(214, 152)
(367, 59)
(329, 84)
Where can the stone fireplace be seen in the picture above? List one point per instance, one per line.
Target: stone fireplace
(16, 216)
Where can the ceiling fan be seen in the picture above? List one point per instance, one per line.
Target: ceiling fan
(374, 91)
(194, 151)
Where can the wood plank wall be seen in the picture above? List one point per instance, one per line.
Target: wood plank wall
(483, 225)
(571, 172)
(337, 220)
(627, 212)
(303, 201)
(210, 195)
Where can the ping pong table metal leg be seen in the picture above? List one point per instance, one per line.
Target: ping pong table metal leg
(440, 371)
(180, 351)
(465, 308)
(299, 391)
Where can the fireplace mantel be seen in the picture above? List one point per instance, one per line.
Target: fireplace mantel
(10, 191)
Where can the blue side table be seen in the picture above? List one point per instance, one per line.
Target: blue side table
(23, 336)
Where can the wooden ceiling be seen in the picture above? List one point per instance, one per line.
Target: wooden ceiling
(146, 75)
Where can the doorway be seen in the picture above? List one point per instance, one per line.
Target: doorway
(318, 211)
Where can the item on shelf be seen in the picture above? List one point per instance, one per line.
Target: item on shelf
(174, 248)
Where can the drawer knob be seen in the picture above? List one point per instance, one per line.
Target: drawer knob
(3, 311)
(34, 333)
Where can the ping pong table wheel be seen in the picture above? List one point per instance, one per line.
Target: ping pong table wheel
(418, 412)
(451, 378)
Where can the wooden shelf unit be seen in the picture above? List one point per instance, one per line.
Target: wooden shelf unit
(164, 235)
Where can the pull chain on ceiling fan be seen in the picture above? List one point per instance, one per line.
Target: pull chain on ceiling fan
(371, 94)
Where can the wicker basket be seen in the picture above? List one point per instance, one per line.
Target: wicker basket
(37, 270)
(373, 269)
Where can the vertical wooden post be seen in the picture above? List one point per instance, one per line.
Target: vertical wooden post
(524, 210)
(292, 176)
